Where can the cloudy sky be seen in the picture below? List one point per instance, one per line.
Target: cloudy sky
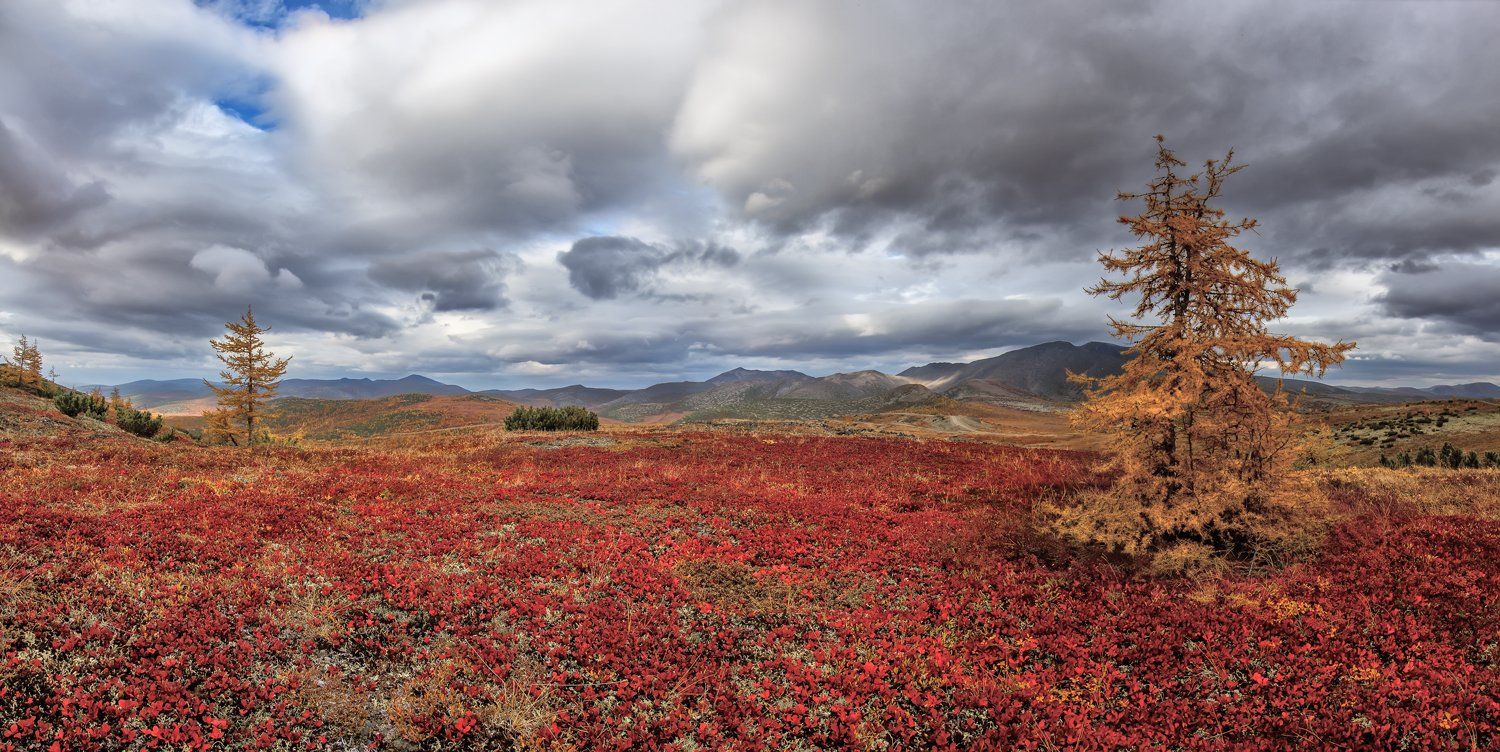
(500, 193)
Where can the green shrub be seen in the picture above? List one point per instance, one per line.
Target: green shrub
(571, 418)
(138, 422)
(1450, 456)
(73, 404)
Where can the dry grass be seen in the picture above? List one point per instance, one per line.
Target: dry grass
(346, 708)
(1411, 492)
(1358, 435)
(733, 584)
(1312, 502)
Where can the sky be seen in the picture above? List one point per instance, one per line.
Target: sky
(502, 193)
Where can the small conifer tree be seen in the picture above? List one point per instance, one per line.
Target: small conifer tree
(73, 403)
(139, 422)
(251, 375)
(26, 360)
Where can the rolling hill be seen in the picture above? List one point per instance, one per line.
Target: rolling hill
(1041, 370)
(577, 394)
(746, 375)
(1031, 378)
(192, 396)
(324, 419)
(1475, 390)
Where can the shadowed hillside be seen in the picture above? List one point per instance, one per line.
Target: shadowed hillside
(1041, 370)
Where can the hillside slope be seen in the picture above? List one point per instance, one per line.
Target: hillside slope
(1031, 378)
(192, 396)
(577, 394)
(26, 417)
(338, 419)
(1041, 370)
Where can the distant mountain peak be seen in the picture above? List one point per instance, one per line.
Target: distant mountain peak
(750, 374)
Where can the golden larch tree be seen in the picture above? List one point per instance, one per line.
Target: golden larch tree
(251, 375)
(27, 362)
(216, 427)
(1201, 448)
(17, 362)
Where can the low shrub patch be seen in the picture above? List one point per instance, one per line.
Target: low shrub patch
(571, 418)
(73, 404)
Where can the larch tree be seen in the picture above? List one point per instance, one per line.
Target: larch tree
(17, 360)
(216, 427)
(1202, 450)
(251, 375)
(27, 362)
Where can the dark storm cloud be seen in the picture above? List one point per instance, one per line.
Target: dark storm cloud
(477, 139)
(952, 327)
(35, 196)
(1458, 296)
(872, 163)
(609, 348)
(167, 303)
(604, 267)
(910, 331)
(455, 281)
(78, 78)
(997, 122)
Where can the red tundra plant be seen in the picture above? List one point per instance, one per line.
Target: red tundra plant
(685, 591)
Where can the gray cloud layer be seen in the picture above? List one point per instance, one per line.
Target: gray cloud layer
(605, 267)
(536, 191)
(1463, 297)
(450, 281)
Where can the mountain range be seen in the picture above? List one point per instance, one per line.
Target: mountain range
(1032, 378)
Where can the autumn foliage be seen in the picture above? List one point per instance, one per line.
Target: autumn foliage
(680, 591)
(1203, 451)
(24, 367)
(251, 375)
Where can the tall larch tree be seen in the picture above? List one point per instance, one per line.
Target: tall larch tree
(34, 364)
(17, 360)
(1201, 448)
(27, 361)
(251, 375)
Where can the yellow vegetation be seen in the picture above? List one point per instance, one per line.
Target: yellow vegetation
(1203, 452)
(251, 375)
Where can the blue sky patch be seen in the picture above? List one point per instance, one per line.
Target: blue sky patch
(248, 103)
(272, 14)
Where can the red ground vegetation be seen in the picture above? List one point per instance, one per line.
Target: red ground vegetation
(689, 591)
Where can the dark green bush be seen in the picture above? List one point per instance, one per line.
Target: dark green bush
(1448, 456)
(73, 404)
(571, 418)
(138, 422)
